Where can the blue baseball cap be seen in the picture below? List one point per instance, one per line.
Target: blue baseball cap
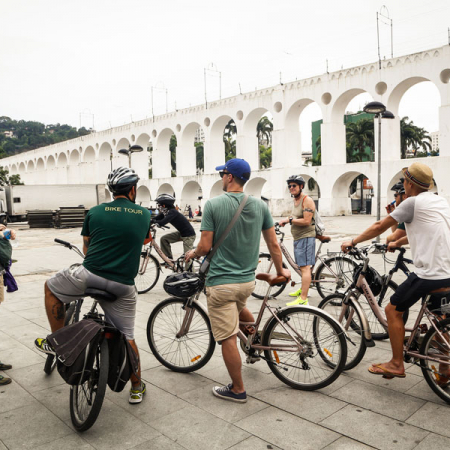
(238, 168)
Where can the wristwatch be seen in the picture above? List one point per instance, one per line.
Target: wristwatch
(290, 220)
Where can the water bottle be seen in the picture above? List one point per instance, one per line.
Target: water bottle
(7, 234)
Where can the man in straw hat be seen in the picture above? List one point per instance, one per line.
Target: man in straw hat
(427, 220)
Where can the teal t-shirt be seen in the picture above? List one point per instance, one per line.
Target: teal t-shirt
(237, 257)
(117, 231)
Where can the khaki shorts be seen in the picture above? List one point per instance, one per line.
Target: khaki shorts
(225, 302)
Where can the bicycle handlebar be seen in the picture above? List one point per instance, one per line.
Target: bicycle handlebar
(65, 243)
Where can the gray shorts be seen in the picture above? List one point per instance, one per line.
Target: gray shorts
(70, 284)
(304, 251)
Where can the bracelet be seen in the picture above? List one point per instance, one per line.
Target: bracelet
(195, 254)
(290, 220)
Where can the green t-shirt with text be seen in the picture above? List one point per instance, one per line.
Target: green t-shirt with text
(237, 257)
(117, 231)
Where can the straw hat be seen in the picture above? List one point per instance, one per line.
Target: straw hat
(419, 174)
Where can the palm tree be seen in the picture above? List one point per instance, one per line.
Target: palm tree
(412, 136)
(229, 139)
(264, 130)
(173, 154)
(265, 157)
(360, 136)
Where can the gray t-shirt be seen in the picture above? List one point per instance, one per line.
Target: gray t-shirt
(427, 221)
(237, 257)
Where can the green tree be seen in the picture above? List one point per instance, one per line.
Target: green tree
(229, 140)
(199, 151)
(173, 155)
(264, 130)
(265, 157)
(413, 137)
(359, 136)
(8, 180)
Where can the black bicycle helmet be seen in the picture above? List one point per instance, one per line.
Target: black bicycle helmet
(183, 285)
(296, 179)
(165, 199)
(398, 187)
(121, 180)
(373, 278)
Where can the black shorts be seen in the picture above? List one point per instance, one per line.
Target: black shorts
(413, 289)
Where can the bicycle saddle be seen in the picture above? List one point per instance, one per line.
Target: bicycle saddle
(98, 294)
(273, 280)
(323, 239)
(440, 291)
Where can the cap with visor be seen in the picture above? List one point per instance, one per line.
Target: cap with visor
(237, 167)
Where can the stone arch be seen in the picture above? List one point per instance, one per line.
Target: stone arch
(341, 196)
(62, 160)
(338, 109)
(22, 168)
(40, 165)
(255, 186)
(250, 148)
(143, 196)
(51, 164)
(166, 188)
(31, 166)
(105, 160)
(119, 159)
(216, 189)
(161, 157)
(189, 150)
(191, 195)
(74, 158)
(89, 154)
(216, 154)
(13, 169)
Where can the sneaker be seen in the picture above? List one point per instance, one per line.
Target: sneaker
(5, 366)
(136, 395)
(43, 346)
(296, 293)
(4, 381)
(226, 393)
(298, 301)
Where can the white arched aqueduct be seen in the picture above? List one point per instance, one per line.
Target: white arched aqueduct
(88, 159)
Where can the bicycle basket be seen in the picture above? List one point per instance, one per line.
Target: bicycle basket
(373, 278)
(184, 284)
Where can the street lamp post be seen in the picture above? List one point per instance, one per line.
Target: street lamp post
(130, 151)
(379, 110)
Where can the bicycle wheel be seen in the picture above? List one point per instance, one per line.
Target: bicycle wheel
(146, 280)
(86, 399)
(50, 362)
(184, 353)
(437, 348)
(377, 330)
(314, 330)
(265, 265)
(352, 324)
(333, 274)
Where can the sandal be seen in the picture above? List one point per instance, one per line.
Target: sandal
(385, 373)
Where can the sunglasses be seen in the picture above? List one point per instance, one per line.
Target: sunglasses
(290, 186)
(221, 174)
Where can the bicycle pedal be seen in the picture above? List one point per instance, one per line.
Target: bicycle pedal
(252, 359)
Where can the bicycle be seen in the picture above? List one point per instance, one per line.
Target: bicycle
(365, 322)
(334, 272)
(180, 337)
(86, 399)
(150, 268)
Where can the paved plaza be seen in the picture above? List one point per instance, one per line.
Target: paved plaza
(357, 411)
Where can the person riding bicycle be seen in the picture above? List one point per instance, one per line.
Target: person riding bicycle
(427, 220)
(231, 277)
(113, 234)
(398, 231)
(169, 214)
(304, 234)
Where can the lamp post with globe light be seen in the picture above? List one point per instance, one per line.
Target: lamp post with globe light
(130, 151)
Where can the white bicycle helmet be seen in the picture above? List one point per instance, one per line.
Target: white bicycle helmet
(165, 199)
(121, 180)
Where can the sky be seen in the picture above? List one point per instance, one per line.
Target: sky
(94, 62)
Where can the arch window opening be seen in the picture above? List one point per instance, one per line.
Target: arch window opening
(264, 131)
(191, 196)
(173, 155)
(199, 144)
(229, 140)
(310, 122)
(361, 192)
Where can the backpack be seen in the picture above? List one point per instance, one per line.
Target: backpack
(319, 226)
(123, 362)
(75, 347)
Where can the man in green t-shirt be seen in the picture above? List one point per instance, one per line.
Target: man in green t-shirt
(231, 277)
(113, 234)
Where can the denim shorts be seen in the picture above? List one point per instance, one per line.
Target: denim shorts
(304, 251)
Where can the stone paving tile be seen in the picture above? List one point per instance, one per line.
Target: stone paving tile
(286, 430)
(173, 382)
(308, 405)
(26, 334)
(424, 392)
(359, 424)
(56, 399)
(196, 429)
(432, 418)
(13, 396)
(434, 442)
(6, 341)
(33, 313)
(341, 381)
(2, 446)
(33, 378)
(118, 429)
(42, 322)
(72, 442)
(20, 356)
(232, 412)
(375, 398)
(10, 320)
(30, 426)
(148, 361)
(157, 403)
(345, 443)
(253, 443)
(159, 443)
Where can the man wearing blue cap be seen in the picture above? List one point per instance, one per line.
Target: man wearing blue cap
(231, 277)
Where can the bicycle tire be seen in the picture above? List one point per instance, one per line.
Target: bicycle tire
(50, 361)
(146, 281)
(265, 265)
(185, 354)
(343, 268)
(435, 348)
(95, 385)
(285, 365)
(356, 345)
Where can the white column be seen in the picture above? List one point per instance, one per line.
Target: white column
(390, 139)
(333, 143)
(247, 148)
(186, 160)
(161, 167)
(444, 130)
(214, 153)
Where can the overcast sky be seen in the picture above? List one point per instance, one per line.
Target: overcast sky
(60, 58)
